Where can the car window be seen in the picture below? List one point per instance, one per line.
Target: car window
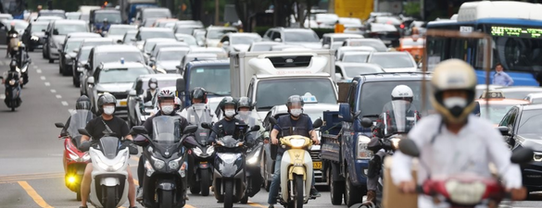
(300, 36)
(399, 60)
(121, 75)
(64, 29)
(528, 125)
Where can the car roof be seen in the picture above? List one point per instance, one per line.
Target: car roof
(356, 52)
(39, 23)
(177, 43)
(357, 64)
(155, 29)
(115, 48)
(535, 95)
(209, 62)
(98, 40)
(266, 43)
(390, 53)
(110, 65)
(83, 34)
(220, 28)
(307, 108)
(389, 76)
(123, 26)
(66, 21)
(150, 40)
(535, 106)
(202, 49)
(87, 47)
(337, 35)
(244, 34)
(501, 101)
(174, 49)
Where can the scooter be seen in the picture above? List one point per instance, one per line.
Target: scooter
(229, 180)
(201, 153)
(164, 184)
(13, 91)
(109, 186)
(74, 160)
(13, 45)
(295, 169)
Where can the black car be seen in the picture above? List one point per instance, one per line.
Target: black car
(34, 35)
(66, 55)
(78, 63)
(521, 128)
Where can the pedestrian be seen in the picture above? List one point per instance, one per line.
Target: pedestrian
(500, 77)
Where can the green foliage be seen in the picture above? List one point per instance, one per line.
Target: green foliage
(412, 9)
(260, 30)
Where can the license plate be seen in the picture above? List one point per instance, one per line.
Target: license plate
(122, 103)
(203, 162)
(352, 29)
(317, 165)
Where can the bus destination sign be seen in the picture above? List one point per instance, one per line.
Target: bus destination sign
(520, 32)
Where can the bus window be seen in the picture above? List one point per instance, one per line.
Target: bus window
(458, 49)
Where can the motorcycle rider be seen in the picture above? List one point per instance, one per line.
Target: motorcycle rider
(198, 96)
(96, 128)
(150, 93)
(10, 32)
(166, 102)
(378, 144)
(455, 141)
(244, 109)
(295, 123)
(11, 74)
(177, 105)
(82, 103)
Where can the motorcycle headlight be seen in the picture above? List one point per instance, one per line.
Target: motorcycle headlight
(158, 164)
(11, 82)
(86, 157)
(465, 193)
(395, 143)
(197, 151)
(361, 151)
(210, 150)
(228, 157)
(74, 157)
(174, 164)
(297, 142)
(119, 165)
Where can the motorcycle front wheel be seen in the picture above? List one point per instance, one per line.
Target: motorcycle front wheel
(299, 201)
(166, 199)
(205, 181)
(110, 200)
(228, 194)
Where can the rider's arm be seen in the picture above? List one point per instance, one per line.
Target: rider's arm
(273, 136)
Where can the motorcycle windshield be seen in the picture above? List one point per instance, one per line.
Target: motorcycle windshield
(229, 141)
(197, 114)
(78, 120)
(109, 146)
(249, 117)
(399, 116)
(166, 129)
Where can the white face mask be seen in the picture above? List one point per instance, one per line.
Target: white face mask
(229, 113)
(455, 101)
(109, 110)
(167, 109)
(153, 86)
(296, 112)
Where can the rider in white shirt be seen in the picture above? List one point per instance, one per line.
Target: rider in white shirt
(455, 141)
(198, 97)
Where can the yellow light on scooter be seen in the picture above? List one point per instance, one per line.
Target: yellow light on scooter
(71, 179)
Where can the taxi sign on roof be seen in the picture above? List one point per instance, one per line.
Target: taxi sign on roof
(309, 98)
(492, 94)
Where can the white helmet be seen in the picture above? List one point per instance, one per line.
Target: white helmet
(402, 92)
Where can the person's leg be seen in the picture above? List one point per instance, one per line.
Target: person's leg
(131, 188)
(141, 176)
(85, 185)
(275, 183)
(314, 192)
(373, 172)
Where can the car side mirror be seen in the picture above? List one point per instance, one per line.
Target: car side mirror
(119, 41)
(522, 155)
(90, 80)
(326, 46)
(138, 130)
(190, 129)
(132, 93)
(83, 131)
(59, 125)
(226, 43)
(317, 123)
(180, 84)
(505, 131)
(366, 122)
(206, 125)
(47, 33)
(338, 76)
(409, 147)
(272, 121)
(60, 50)
(277, 40)
(87, 66)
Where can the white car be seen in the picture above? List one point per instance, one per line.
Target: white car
(341, 50)
(117, 32)
(329, 39)
(534, 98)
(238, 42)
(347, 71)
(354, 57)
(213, 35)
(394, 61)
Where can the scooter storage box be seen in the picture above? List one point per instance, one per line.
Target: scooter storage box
(392, 196)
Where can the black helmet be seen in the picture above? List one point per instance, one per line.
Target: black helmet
(199, 93)
(244, 102)
(294, 99)
(228, 101)
(153, 80)
(165, 94)
(13, 64)
(106, 99)
(83, 103)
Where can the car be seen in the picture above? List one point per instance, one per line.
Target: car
(329, 38)
(186, 29)
(262, 46)
(188, 23)
(167, 59)
(371, 42)
(346, 71)
(520, 129)
(67, 53)
(194, 57)
(354, 57)
(145, 33)
(160, 45)
(388, 20)
(20, 25)
(534, 98)
(238, 42)
(414, 45)
(340, 51)
(151, 13)
(47, 19)
(117, 31)
(402, 61)
(34, 35)
(314, 111)
(200, 36)
(115, 78)
(481, 88)
(220, 53)
(97, 42)
(73, 15)
(321, 20)
(420, 26)
(387, 33)
(293, 36)
(54, 12)
(188, 39)
(151, 42)
(213, 34)
(129, 37)
(163, 22)
(138, 111)
(56, 33)
(497, 104)
(78, 64)
(352, 25)
(519, 92)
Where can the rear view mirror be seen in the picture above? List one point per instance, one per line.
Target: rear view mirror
(190, 129)
(255, 128)
(522, 155)
(138, 130)
(366, 122)
(132, 93)
(59, 125)
(90, 80)
(206, 125)
(85, 146)
(83, 132)
(505, 131)
(180, 85)
(409, 147)
(272, 121)
(317, 123)
(119, 41)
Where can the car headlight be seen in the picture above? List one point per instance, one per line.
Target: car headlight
(197, 151)
(297, 142)
(362, 152)
(34, 38)
(158, 164)
(228, 157)
(210, 150)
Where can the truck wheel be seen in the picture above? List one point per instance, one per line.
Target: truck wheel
(352, 194)
(336, 188)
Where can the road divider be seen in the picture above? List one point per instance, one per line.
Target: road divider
(35, 196)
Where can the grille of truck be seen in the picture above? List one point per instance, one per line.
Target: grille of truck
(290, 61)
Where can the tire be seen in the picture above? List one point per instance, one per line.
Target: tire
(75, 81)
(352, 194)
(166, 199)
(195, 188)
(228, 194)
(110, 200)
(205, 181)
(78, 195)
(266, 183)
(298, 182)
(336, 188)
(244, 200)
(66, 72)
(51, 61)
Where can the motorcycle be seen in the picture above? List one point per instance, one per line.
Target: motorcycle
(13, 45)
(164, 184)
(201, 153)
(13, 91)
(465, 190)
(296, 168)
(109, 156)
(75, 161)
(23, 63)
(254, 179)
(229, 178)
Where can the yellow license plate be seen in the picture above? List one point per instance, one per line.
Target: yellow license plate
(122, 103)
(352, 29)
(317, 165)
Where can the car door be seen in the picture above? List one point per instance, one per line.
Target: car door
(347, 137)
(509, 121)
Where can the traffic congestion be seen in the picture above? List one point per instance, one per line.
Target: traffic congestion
(128, 104)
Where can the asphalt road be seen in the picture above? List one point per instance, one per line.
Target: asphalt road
(31, 153)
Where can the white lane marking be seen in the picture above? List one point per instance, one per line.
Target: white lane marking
(35, 67)
(38, 70)
(47, 84)
(58, 96)
(2, 96)
(64, 103)
(53, 90)
(72, 111)
(42, 78)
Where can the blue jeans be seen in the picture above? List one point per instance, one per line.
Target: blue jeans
(275, 183)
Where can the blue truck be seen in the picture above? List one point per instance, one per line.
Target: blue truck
(344, 141)
(128, 8)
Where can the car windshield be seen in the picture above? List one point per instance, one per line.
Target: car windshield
(64, 29)
(301, 36)
(388, 20)
(162, 83)
(121, 75)
(355, 58)
(496, 112)
(374, 95)
(261, 47)
(215, 79)
(72, 44)
(128, 37)
(97, 43)
(528, 124)
(156, 34)
(156, 14)
(275, 91)
(171, 55)
(399, 60)
(246, 40)
(83, 55)
(116, 56)
(111, 17)
(84, 17)
(382, 27)
(218, 33)
(38, 27)
(190, 40)
(353, 71)
(186, 30)
(376, 44)
(56, 14)
(350, 21)
(149, 45)
(73, 16)
(119, 30)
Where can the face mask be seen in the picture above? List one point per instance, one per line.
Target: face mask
(296, 112)
(109, 110)
(229, 113)
(153, 86)
(167, 109)
(456, 105)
